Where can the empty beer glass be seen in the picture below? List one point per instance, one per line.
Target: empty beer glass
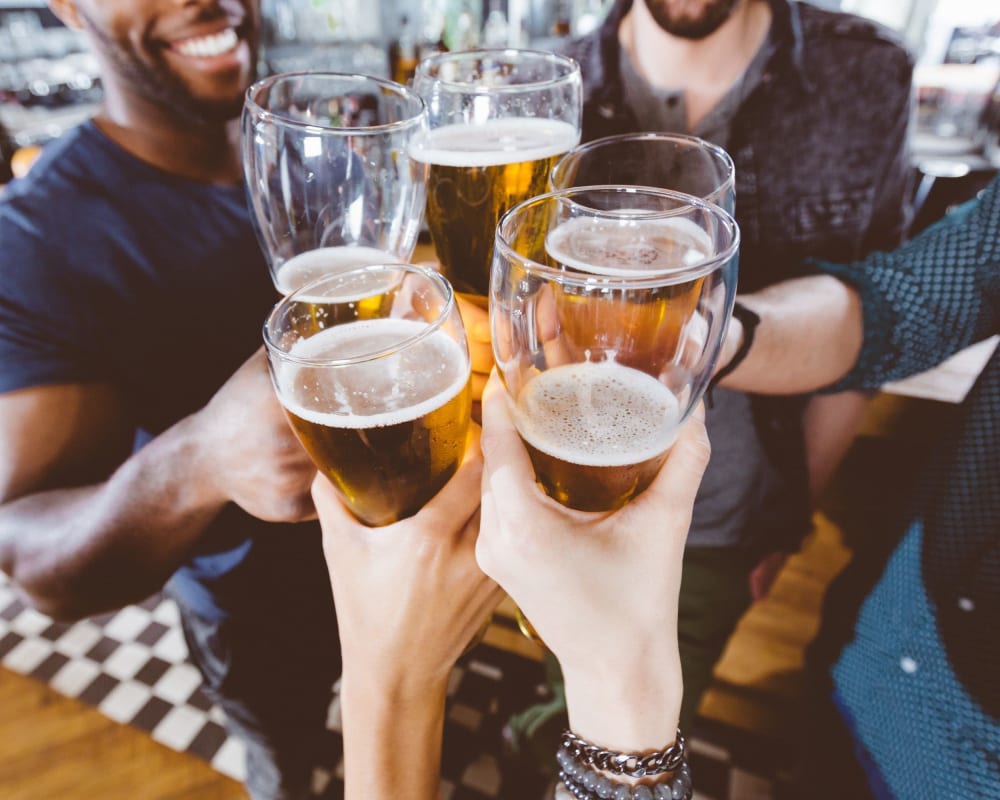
(327, 171)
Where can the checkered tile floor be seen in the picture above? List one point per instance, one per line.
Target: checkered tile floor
(132, 666)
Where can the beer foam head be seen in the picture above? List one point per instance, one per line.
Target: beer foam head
(397, 388)
(628, 246)
(498, 141)
(305, 267)
(597, 414)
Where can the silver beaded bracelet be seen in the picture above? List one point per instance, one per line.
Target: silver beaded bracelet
(579, 762)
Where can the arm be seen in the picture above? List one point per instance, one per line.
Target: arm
(409, 599)
(882, 319)
(601, 589)
(809, 336)
(82, 530)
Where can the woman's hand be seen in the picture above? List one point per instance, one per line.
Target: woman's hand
(409, 596)
(600, 589)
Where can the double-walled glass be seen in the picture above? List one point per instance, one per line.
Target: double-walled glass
(659, 160)
(608, 307)
(499, 120)
(372, 369)
(327, 171)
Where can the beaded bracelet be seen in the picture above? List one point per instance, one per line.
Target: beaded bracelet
(579, 762)
(587, 784)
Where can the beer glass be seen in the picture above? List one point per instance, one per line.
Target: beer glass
(328, 177)
(499, 120)
(379, 393)
(608, 308)
(659, 160)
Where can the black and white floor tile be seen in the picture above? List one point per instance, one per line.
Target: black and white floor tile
(133, 667)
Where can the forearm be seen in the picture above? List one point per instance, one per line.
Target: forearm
(809, 336)
(392, 738)
(78, 551)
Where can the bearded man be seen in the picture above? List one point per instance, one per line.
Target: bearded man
(140, 440)
(813, 107)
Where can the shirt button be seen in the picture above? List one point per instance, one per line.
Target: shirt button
(908, 665)
(966, 604)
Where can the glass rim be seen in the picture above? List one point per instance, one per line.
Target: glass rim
(652, 136)
(252, 106)
(499, 53)
(435, 277)
(577, 277)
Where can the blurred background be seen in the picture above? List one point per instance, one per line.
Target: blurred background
(48, 81)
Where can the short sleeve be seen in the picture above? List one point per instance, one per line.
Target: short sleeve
(929, 298)
(40, 338)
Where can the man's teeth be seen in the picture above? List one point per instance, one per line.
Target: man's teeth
(208, 46)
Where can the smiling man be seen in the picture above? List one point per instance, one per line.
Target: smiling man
(140, 441)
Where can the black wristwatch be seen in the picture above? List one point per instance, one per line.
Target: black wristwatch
(749, 320)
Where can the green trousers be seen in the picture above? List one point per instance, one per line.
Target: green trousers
(715, 591)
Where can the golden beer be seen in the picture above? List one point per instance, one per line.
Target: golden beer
(597, 432)
(640, 326)
(476, 174)
(388, 432)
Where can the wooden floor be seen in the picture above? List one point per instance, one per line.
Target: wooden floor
(52, 748)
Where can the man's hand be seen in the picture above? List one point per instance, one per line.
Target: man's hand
(248, 452)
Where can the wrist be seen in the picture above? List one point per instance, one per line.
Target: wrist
(632, 705)
(193, 442)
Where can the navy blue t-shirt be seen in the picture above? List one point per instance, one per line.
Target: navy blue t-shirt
(112, 270)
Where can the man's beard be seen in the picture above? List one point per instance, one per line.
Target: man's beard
(687, 26)
(157, 83)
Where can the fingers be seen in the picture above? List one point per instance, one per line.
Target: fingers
(677, 483)
(477, 331)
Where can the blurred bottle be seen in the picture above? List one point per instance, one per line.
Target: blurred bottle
(562, 19)
(403, 55)
(496, 31)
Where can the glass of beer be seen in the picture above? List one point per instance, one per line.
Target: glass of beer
(660, 160)
(328, 176)
(608, 308)
(379, 393)
(499, 120)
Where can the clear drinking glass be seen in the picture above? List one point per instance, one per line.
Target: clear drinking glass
(327, 171)
(372, 369)
(499, 120)
(608, 307)
(659, 160)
